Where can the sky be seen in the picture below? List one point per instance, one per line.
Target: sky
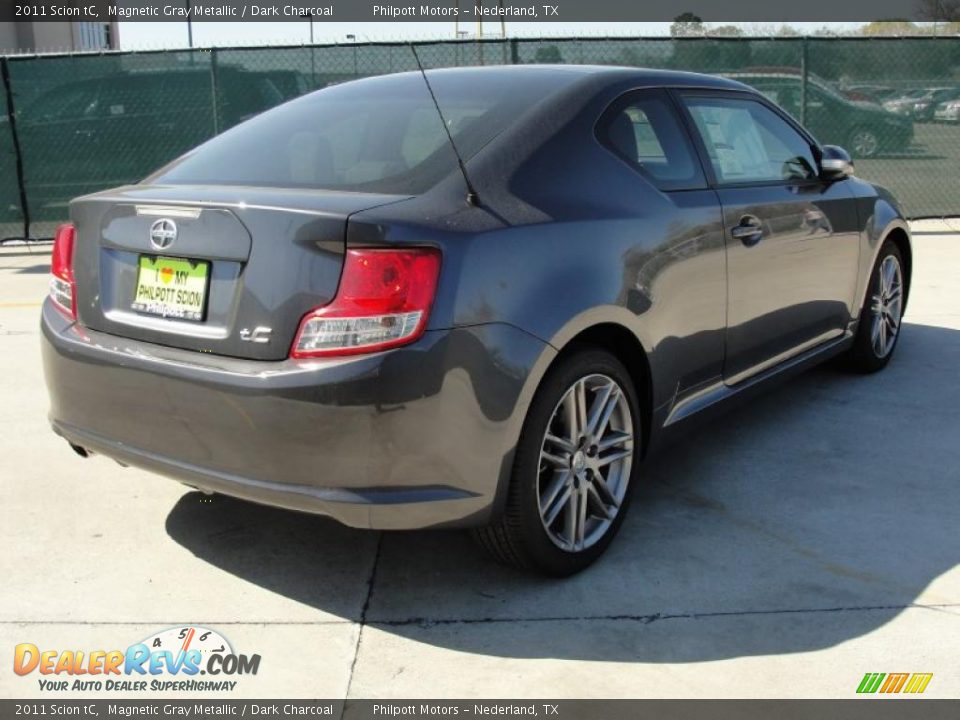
(157, 35)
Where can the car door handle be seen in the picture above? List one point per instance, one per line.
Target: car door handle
(749, 231)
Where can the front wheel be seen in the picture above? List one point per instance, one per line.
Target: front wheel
(880, 318)
(864, 143)
(574, 468)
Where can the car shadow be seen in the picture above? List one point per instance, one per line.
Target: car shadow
(812, 516)
(41, 268)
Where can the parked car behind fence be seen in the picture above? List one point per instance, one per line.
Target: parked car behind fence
(864, 128)
(112, 129)
(924, 108)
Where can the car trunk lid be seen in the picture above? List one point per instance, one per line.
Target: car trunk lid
(217, 269)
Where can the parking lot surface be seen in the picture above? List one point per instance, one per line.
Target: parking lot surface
(807, 539)
(934, 153)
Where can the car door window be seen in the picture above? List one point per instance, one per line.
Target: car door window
(643, 129)
(748, 142)
(125, 96)
(78, 102)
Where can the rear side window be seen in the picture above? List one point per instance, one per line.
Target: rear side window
(380, 135)
(643, 129)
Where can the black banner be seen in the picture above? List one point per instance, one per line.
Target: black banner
(471, 10)
(864, 709)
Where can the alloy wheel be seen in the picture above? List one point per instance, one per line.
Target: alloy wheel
(886, 305)
(585, 461)
(864, 143)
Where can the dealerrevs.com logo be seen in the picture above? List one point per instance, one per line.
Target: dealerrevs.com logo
(179, 659)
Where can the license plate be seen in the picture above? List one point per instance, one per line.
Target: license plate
(171, 287)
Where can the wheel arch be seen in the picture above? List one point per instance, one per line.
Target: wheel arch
(605, 333)
(621, 342)
(609, 335)
(899, 237)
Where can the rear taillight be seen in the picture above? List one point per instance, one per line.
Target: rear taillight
(63, 287)
(383, 301)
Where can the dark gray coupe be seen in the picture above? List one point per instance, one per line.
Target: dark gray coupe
(472, 297)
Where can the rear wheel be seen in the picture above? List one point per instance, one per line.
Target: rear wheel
(880, 318)
(574, 468)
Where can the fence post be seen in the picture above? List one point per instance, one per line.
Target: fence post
(17, 150)
(804, 77)
(214, 86)
(514, 51)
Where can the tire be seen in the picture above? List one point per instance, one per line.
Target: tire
(863, 142)
(870, 353)
(525, 536)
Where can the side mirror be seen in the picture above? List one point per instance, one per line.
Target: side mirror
(835, 163)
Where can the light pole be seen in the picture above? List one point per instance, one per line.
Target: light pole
(189, 26)
(353, 39)
(461, 35)
(308, 14)
(313, 57)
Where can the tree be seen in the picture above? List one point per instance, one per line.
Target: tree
(548, 55)
(939, 10)
(889, 27)
(725, 31)
(686, 24)
(768, 29)
(788, 31)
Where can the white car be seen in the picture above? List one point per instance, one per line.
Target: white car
(948, 112)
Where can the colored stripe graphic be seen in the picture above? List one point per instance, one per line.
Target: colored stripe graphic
(870, 682)
(918, 683)
(894, 683)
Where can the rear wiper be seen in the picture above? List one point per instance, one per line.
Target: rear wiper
(472, 197)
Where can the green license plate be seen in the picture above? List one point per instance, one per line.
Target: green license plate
(171, 287)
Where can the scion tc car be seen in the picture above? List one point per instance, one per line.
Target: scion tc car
(481, 302)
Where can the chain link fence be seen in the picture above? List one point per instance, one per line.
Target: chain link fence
(73, 124)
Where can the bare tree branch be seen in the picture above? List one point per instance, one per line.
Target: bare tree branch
(939, 10)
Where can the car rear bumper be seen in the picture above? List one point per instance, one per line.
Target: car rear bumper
(418, 437)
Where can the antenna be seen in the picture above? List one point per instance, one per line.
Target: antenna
(472, 197)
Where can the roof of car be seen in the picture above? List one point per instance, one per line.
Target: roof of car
(610, 73)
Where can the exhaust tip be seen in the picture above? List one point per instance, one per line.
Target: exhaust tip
(81, 451)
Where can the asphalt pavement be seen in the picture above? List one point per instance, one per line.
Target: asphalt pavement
(805, 540)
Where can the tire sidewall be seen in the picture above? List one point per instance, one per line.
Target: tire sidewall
(863, 351)
(545, 554)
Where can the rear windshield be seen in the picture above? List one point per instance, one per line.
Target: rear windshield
(380, 135)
